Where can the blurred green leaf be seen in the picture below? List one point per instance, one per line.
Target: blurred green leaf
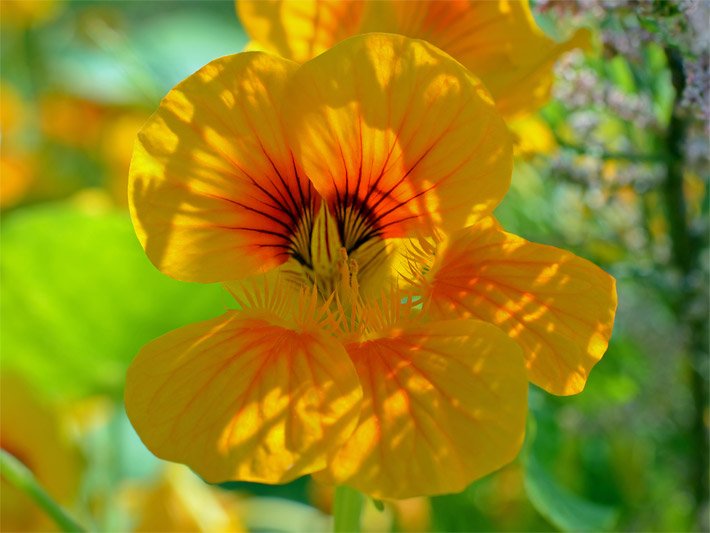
(79, 299)
(563, 509)
(620, 73)
(458, 512)
(659, 82)
(525, 209)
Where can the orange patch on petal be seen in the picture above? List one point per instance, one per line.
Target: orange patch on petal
(443, 404)
(242, 398)
(214, 192)
(559, 307)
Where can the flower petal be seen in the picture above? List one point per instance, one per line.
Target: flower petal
(300, 30)
(498, 40)
(240, 397)
(443, 404)
(559, 307)
(214, 192)
(397, 136)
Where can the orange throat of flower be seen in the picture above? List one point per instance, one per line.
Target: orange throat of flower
(337, 255)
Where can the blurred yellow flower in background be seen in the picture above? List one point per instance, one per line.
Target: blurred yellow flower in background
(362, 184)
(72, 120)
(17, 171)
(179, 501)
(36, 145)
(12, 110)
(33, 433)
(532, 136)
(117, 148)
(16, 165)
(498, 40)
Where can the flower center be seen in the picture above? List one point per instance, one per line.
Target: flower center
(336, 254)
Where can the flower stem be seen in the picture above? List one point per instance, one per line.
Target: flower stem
(22, 478)
(686, 247)
(346, 510)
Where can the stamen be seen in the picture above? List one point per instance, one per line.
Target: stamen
(392, 309)
(320, 257)
(354, 285)
(296, 307)
(349, 288)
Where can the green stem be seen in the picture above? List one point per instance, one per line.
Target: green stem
(22, 478)
(346, 510)
(685, 256)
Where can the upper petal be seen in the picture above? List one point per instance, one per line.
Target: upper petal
(397, 137)
(443, 404)
(241, 397)
(213, 189)
(559, 307)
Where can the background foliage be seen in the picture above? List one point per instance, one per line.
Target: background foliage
(615, 168)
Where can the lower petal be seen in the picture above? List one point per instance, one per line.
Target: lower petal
(240, 398)
(443, 404)
(559, 307)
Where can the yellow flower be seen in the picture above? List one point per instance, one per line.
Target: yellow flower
(498, 40)
(17, 171)
(179, 501)
(375, 163)
(32, 433)
(532, 136)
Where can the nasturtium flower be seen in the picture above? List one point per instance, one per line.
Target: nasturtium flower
(498, 40)
(387, 327)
